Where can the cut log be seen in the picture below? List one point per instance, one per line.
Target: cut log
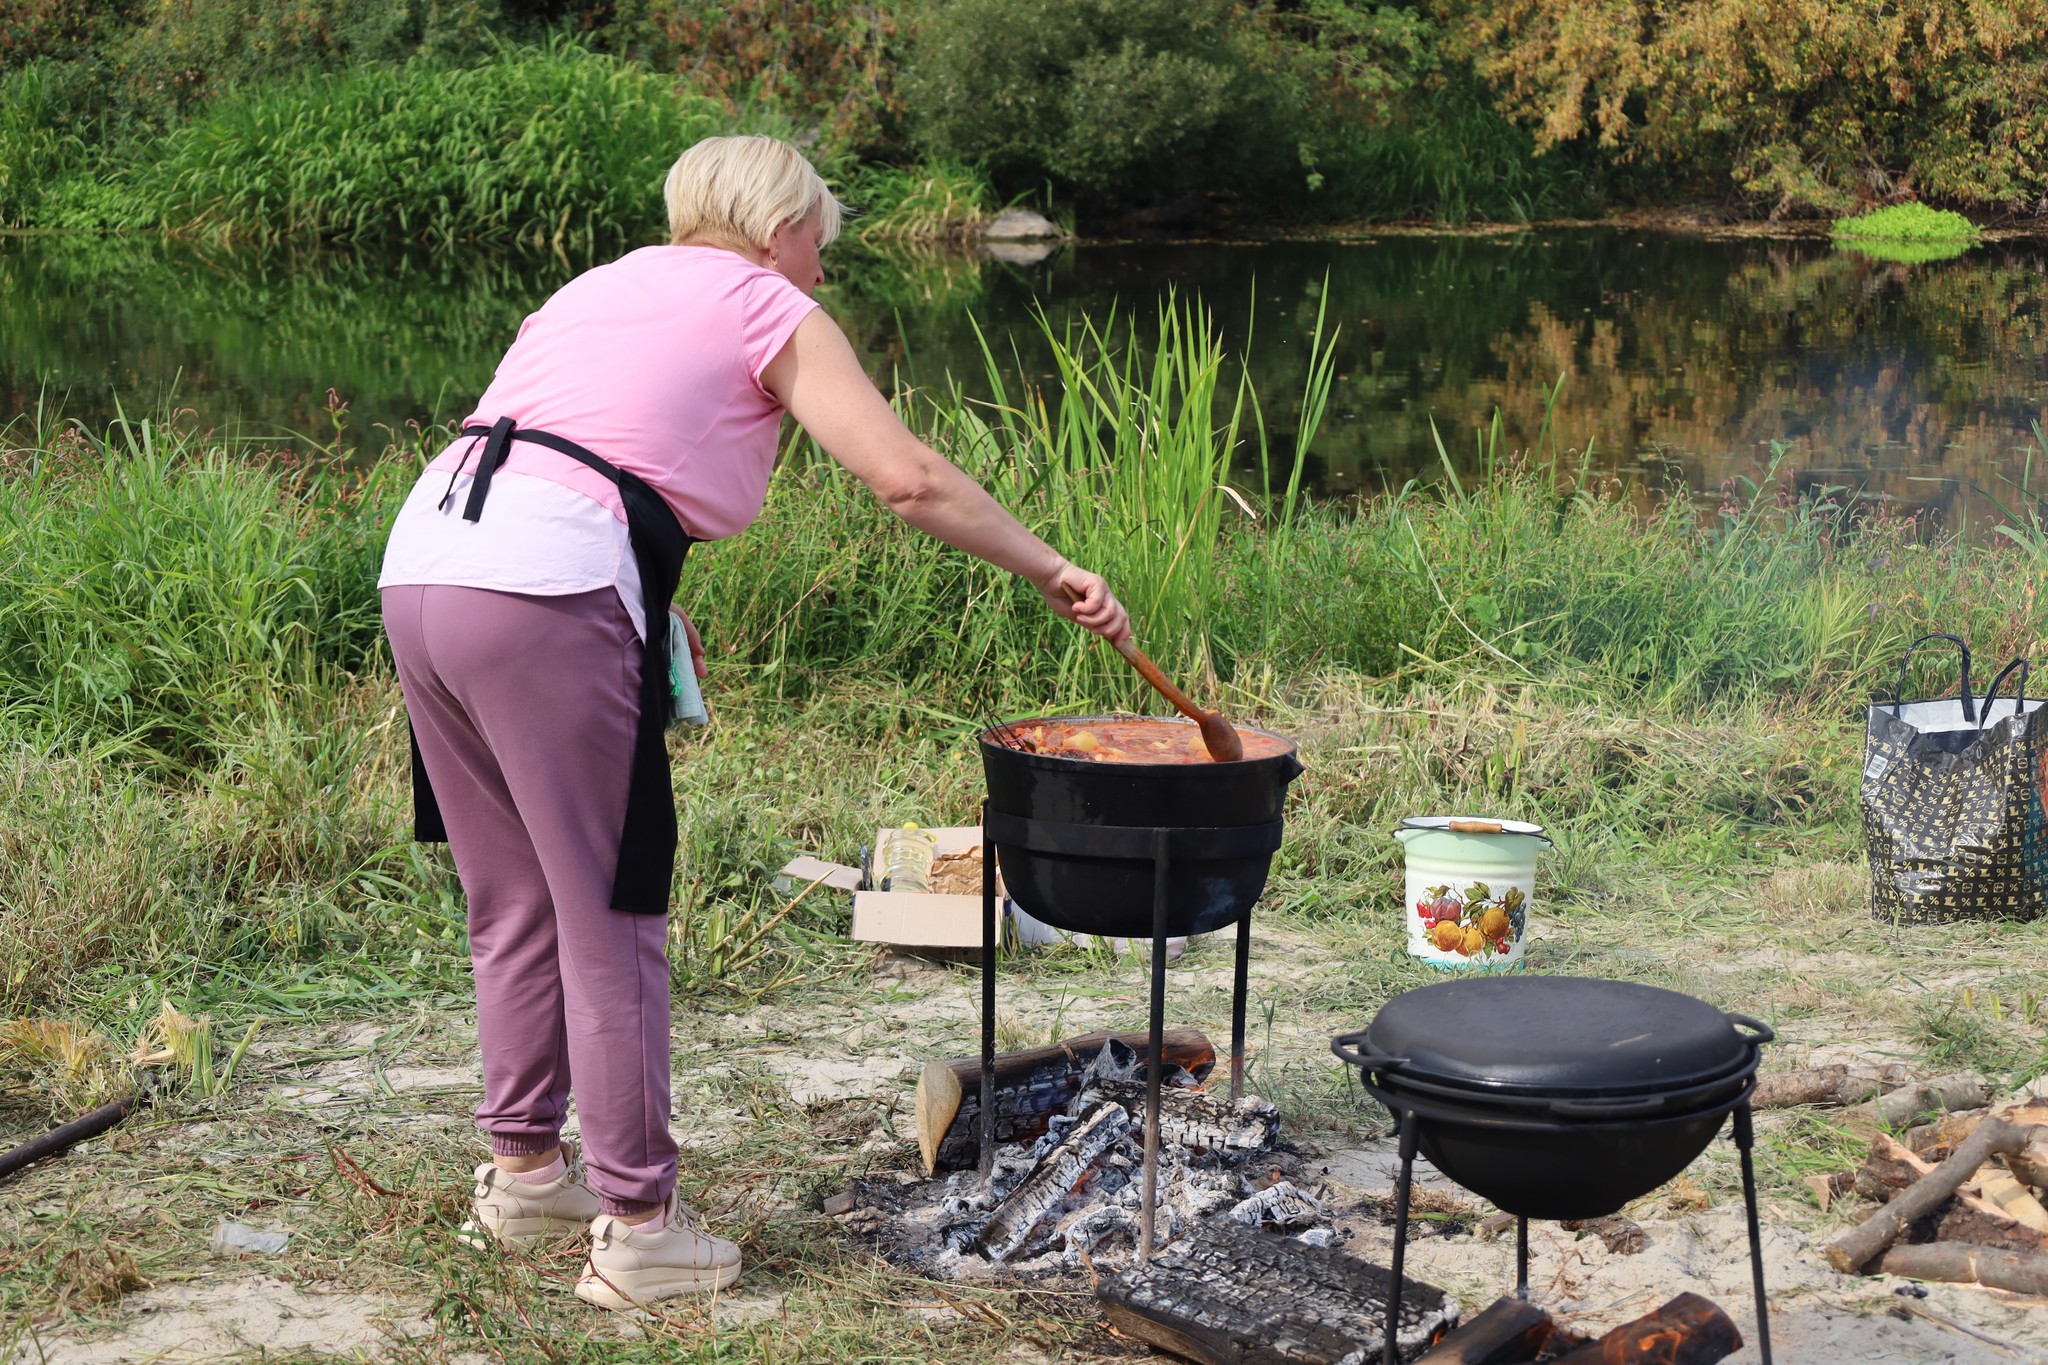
(1856, 1248)
(1836, 1084)
(1967, 1217)
(1961, 1263)
(1689, 1330)
(1051, 1181)
(1031, 1087)
(1903, 1107)
(1227, 1295)
(1510, 1332)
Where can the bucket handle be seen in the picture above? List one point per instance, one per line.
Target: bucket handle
(1474, 827)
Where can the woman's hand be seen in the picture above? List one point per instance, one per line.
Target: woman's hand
(1085, 599)
(696, 642)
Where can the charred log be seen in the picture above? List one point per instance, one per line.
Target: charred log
(1052, 1181)
(1509, 1332)
(1689, 1330)
(1226, 1295)
(1030, 1087)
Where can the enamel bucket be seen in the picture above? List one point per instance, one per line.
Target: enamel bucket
(1470, 885)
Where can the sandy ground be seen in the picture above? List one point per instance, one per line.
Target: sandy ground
(856, 1053)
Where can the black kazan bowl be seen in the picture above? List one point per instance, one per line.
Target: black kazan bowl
(1086, 894)
(1557, 1097)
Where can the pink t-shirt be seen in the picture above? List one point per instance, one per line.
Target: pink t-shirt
(654, 363)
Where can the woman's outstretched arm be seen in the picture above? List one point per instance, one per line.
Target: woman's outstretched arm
(819, 379)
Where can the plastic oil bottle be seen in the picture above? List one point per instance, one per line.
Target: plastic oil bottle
(903, 862)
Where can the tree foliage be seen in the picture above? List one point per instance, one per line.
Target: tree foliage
(1812, 103)
(1111, 97)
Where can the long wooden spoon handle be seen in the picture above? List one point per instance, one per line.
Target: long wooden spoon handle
(1150, 672)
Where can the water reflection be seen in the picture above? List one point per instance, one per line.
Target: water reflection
(1681, 359)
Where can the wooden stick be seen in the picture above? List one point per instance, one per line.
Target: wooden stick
(1689, 1330)
(1509, 1332)
(1861, 1245)
(1964, 1263)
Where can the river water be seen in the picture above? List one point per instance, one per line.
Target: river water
(1682, 360)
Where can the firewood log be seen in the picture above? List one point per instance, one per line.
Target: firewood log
(1970, 1216)
(1856, 1248)
(2029, 1167)
(1689, 1330)
(1836, 1084)
(1899, 1108)
(1509, 1332)
(1962, 1263)
(1031, 1087)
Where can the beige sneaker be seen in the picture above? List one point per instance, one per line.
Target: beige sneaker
(511, 1212)
(629, 1266)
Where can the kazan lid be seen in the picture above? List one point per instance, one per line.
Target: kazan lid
(1558, 1036)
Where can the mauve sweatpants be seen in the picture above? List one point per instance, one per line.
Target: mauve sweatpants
(525, 709)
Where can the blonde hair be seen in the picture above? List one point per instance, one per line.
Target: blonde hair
(735, 191)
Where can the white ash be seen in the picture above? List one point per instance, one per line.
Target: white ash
(1071, 1201)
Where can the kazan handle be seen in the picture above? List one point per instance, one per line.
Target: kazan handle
(1764, 1032)
(1475, 827)
(1364, 1061)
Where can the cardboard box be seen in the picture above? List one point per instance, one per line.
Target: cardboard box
(932, 924)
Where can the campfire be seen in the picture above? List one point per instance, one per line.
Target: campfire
(1252, 1243)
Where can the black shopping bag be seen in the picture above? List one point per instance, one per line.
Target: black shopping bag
(1952, 806)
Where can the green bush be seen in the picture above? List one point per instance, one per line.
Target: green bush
(1908, 223)
(41, 137)
(554, 146)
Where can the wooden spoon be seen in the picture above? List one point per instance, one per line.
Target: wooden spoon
(1218, 734)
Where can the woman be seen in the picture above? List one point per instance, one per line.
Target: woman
(526, 589)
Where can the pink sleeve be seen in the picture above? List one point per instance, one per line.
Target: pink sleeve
(771, 307)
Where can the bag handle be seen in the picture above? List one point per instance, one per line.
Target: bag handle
(2019, 694)
(1906, 665)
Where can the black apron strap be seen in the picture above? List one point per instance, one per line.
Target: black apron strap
(647, 843)
(497, 442)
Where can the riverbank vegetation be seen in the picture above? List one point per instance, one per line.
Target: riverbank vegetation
(486, 120)
(205, 780)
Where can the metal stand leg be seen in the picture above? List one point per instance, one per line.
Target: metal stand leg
(1392, 1354)
(1522, 1259)
(1745, 1138)
(1155, 1054)
(988, 1000)
(1244, 958)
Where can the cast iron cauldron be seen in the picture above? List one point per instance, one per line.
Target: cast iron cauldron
(1113, 895)
(1557, 1097)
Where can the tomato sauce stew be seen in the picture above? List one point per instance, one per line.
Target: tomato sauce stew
(1135, 740)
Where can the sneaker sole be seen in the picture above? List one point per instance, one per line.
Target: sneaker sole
(517, 1232)
(623, 1289)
